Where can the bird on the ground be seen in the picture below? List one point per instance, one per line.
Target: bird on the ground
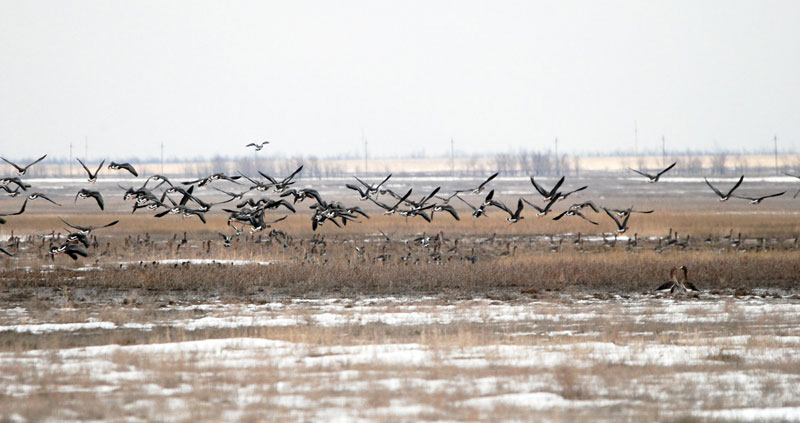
(729, 194)
(85, 193)
(654, 178)
(675, 285)
(92, 176)
(124, 166)
(22, 170)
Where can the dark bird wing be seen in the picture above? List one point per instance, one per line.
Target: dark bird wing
(642, 173)
(538, 188)
(611, 215)
(383, 181)
(4, 251)
(561, 215)
(771, 195)
(88, 172)
(741, 178)
(585, 218)
(556, 187)
(19, 169)
(665, 286)
(465, 202)
(48, 199)
(489, 179)
(714, 189)
(667, 169)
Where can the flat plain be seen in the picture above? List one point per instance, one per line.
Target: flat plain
(393, 319)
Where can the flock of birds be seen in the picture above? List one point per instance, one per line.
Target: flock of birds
(251, 212)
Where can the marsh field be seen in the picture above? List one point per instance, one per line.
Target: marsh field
(393, 319)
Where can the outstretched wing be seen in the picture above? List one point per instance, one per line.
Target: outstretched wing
(736, 186)
(668, 168)
(714, 189)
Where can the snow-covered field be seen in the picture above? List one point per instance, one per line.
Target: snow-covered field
(577, 358)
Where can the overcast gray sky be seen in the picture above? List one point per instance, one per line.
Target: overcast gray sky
(209, 77)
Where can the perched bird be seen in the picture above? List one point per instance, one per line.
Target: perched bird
(124, 166)
(85, 193)
(479, 188)
(257, 146)
(35, 195)
(758, 200)
(92, 176)
(729, 194)
(21, 171)
(654, 178)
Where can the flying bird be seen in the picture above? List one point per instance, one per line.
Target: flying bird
(21, 171)
(257, 146)
(729, 194)
(553, 194)
(86, 193)
(621, 226)
(479, 188)
(36, 195)
(758, 200)
(92, 176)
(88, 229)
(124, 166)
(21, 210)
(654, 178)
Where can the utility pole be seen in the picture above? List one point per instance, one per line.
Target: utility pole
(86, 149)
(365, 152)
(635, 138)
(558, 162)
(663, 152)
(70, 159)
(452, 158)
(776, 154)
(162, 157)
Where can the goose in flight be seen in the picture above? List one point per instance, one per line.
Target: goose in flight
(89, 229)
(21, 210)
(629, 210)
(564, 195)
(15, 180)
(654, 178)
(257, 146)
(85, 193)
(391, 209)
(21, 171)
(758, 200)
(9, 191)
(541, 212)
(729, 194)
(233, 195)
(72, 250)
(283, 184)
(92, 176)
(476, 211)
(574, 212)
(621, 226)
(300, 194)
(794, 176)
(515, 216)
(124, 166)
(227, 239)
(446, 208)
(211, 178)
(479, 188)
(36, 195)
(550, 195)
(370, 190)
